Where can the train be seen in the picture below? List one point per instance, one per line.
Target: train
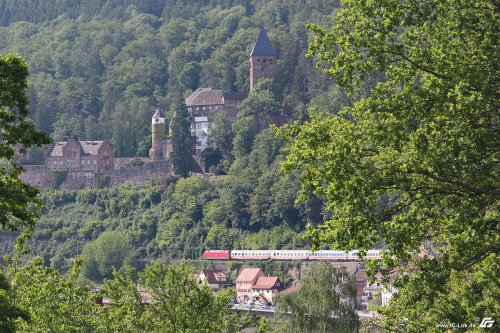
(329, 255)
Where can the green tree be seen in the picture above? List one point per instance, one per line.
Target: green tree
(9, 312)
(111, 250)
(18, 201)
(221, 134)
(53, 302)
(19, 206)
(182, 304)
(416, 163)
(181, 138)
(127, 311)
(323, 302)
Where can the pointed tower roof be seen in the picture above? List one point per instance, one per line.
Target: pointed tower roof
(157, 114)
(262, 46)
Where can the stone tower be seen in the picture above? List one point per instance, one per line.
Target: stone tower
(262, 59)
(158, 139)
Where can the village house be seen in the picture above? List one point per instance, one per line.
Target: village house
(245, 281)
(266, 288)
(203, 104)
(214, 278)
(94, 156)
(253, 285)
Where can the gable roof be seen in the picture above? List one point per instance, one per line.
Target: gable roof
(234, 96)
(213, 274)
(88, 148)
(205, 96)
(157, 114)
(350, 267)
(91, 147)
(248, 274)
(266, 282)
(262, 46)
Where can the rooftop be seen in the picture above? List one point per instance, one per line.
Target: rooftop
(205, 96)
(266, 282)
(88, 147)
(262, 46)
(248, 274)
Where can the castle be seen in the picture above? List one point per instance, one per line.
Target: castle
(204, 103)
(84, 161)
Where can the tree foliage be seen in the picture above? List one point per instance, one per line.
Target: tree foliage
(181, 139)
(17, 200)
(53, 302)
(111, 250)
(416, 163)
(323, 302)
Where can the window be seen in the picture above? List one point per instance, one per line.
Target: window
(95, 161)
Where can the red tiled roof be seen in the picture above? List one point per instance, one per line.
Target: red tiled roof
(57, 149)
(360, 275)
(248, 274)
(266, 282)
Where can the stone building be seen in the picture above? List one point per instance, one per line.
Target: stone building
(204, 103)
(94, 156)
(262, 59)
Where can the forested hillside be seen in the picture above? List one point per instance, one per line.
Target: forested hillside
(253, 207)
(99, 69)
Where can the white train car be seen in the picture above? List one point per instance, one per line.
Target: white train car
(289, 254)
(250, 254)
(329, 255)
(373, 254)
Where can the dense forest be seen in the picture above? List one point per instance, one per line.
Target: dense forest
(99, 69)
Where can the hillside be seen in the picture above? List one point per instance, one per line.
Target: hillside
(99, 69)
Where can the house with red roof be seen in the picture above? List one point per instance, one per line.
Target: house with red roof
(245, 281)
(266, 288)
(252, 284)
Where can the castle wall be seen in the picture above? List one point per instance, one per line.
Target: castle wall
(140, 175)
